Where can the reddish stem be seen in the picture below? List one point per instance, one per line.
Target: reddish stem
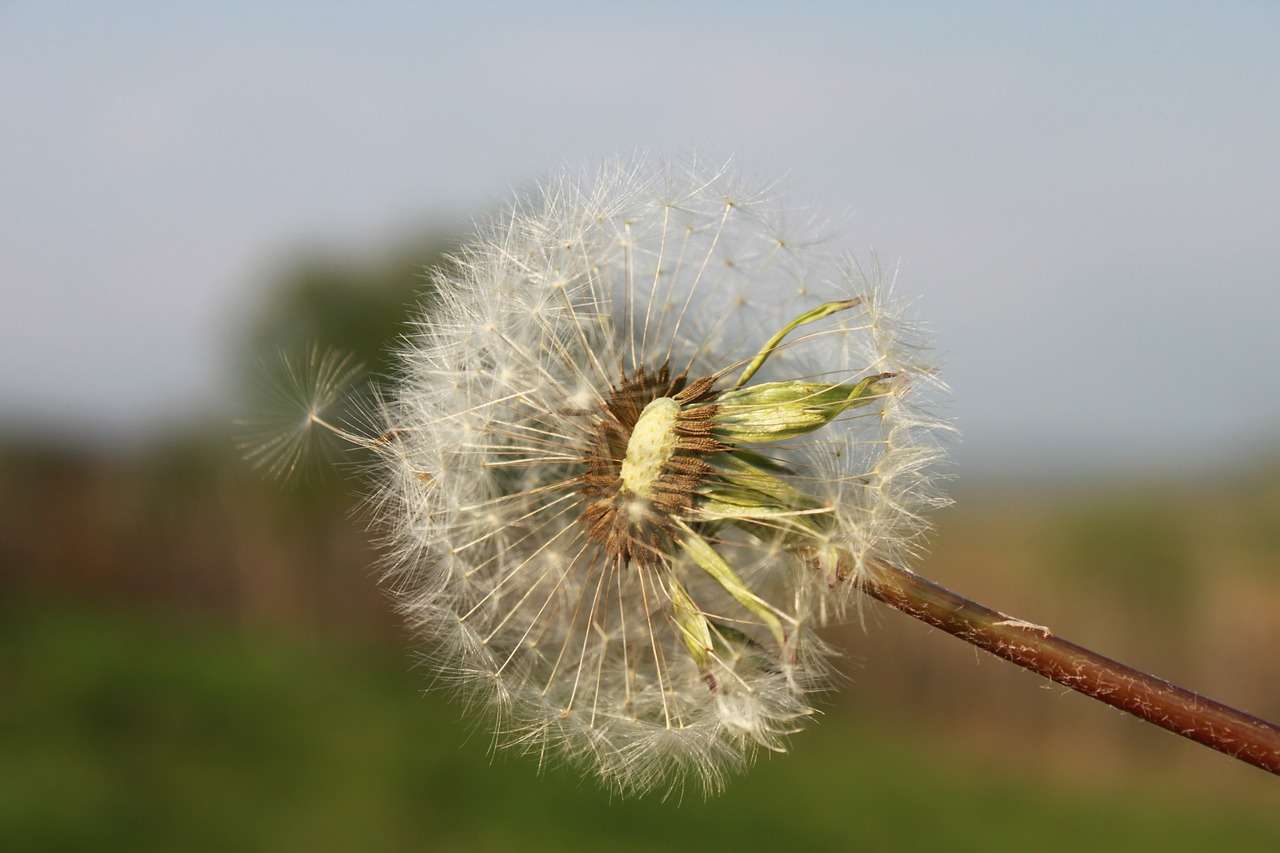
(1203, 720)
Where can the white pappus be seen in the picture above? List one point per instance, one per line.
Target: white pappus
(644, 441)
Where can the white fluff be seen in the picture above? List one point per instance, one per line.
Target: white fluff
(553, 304)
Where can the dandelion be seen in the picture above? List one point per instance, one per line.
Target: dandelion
(647, 440)
(645, 444)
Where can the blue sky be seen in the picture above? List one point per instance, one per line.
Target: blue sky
(1084, 197)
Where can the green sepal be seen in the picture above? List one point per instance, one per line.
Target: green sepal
(709, 560)
(776, 411)
(693, 624)
(758, 460)
(736, 481)
(824, 310)
(756, 501)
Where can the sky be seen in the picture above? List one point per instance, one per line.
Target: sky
(1082, 199)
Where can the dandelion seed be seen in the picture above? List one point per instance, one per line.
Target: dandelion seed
(296, 413)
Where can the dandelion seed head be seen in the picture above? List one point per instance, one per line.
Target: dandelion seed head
(643, 445)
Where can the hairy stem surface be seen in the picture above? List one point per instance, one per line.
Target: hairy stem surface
(1033, 647)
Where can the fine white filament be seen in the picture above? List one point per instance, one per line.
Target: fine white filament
(676, 648)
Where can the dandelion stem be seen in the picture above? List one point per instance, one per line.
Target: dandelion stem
(1033, 647)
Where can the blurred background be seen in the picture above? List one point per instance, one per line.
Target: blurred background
(1082, 201)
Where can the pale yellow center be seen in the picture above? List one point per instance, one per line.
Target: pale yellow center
(652, 442)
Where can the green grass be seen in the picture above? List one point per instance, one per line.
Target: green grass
(134, 733)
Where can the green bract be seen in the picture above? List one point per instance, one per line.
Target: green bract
(776, 411)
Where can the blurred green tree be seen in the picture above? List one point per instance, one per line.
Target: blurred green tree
(357, 306)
